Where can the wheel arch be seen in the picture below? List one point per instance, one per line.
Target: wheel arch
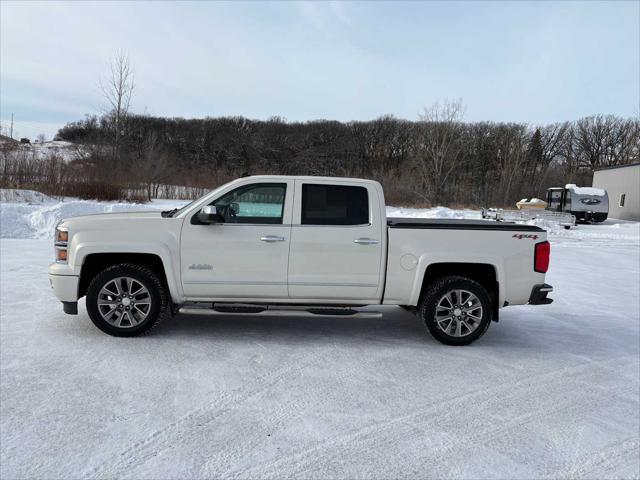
(94, 263)
(485, 274)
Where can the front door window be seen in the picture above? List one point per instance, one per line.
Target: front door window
(258, 204)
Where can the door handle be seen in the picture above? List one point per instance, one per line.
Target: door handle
(366, 241)
(271, 238)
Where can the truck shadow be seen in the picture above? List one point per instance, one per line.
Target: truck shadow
(395, 324)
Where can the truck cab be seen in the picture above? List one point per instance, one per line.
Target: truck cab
(294, 240)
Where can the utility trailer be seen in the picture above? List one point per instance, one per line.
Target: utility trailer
(563, 219)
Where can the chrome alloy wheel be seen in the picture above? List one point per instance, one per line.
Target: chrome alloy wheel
(124, 302)
(458, 313)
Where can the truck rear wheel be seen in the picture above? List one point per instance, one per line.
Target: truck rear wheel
(126, 300)
(456, 310)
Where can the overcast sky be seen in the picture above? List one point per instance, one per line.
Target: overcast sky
(527, 62)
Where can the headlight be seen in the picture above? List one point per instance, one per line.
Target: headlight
(62, 235)
(61, 243)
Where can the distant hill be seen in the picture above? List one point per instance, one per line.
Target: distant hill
(8, 141)
(68, 151)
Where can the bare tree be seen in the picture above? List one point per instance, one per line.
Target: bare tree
(511, 155)
(544, 147)
(117, 89)
(624, 142)
(437, 145)
(154, 166)
(593, 138)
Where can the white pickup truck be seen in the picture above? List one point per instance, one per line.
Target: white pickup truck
(314, 245)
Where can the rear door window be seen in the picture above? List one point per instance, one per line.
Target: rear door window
(334, 205)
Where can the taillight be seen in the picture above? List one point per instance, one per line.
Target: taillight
(541, 257)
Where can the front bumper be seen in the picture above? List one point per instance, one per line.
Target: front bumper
(64, 285)
(539, 294)
(65, 288)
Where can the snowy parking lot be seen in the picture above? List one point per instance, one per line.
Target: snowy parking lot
(549, 392)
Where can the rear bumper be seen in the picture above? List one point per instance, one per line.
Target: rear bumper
(539, 294)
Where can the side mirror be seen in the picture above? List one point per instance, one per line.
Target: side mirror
(209, 215)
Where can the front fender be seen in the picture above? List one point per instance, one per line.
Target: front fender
(82, 249)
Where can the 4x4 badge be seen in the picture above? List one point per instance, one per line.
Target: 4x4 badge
(520, 236)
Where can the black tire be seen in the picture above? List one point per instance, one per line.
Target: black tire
(159, 308)
(433, 295)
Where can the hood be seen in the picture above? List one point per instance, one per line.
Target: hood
(108, 219)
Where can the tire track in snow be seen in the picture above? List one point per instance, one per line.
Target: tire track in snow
(490, 431)
(599, 464)
(382, 436)
(175, 432)
(277, 418)
(484, 433)
(514, 426)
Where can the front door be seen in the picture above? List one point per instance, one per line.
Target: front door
(336, 242)
(245, 256)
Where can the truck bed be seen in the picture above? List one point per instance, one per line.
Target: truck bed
(416, 243)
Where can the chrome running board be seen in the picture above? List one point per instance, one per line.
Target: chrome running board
(274, 310)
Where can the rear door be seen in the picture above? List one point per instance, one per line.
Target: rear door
(336, 242)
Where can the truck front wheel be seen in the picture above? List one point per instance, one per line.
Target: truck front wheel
(456, 310)
(126, 300)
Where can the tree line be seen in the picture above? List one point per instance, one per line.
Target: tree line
(438, 159)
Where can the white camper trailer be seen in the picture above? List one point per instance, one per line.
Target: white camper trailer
(588, 204)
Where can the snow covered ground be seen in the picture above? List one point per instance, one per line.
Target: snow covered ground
(67, 151)
(549, 392)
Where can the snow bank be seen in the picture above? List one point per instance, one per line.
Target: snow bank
(29, 214)
(23, 196)
(437, 212)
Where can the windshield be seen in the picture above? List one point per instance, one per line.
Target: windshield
(177, 211)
